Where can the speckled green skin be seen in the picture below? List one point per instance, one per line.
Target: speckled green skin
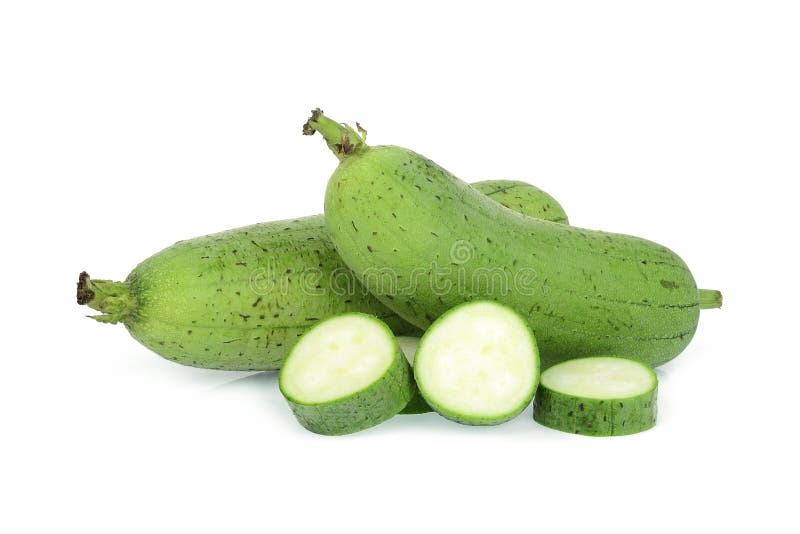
(595, 417)
(393, 212)
(371, 406)
(523, 198)
(240, 299)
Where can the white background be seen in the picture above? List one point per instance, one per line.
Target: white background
(127, 126)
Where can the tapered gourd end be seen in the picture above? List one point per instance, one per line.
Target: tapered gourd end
(341, 138)
(113, 299)
(710, 299)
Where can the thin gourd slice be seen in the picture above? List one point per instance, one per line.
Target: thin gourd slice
(417, 404)
(346, 374)
(478, 364)
(597, 396)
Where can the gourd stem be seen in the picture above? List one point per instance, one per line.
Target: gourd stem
(114, 299)
(341, 139)
(710, 298)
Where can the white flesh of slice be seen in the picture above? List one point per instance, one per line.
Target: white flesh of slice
(337, 358)
(599, 378)
(479, 360)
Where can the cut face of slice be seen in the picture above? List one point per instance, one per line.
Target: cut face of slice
(599, 396)
(601, 377)
(417, 403)
(346, 374)
(337, 358)
(478, 364)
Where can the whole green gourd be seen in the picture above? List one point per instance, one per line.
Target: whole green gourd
(423, 241)
(240, 299)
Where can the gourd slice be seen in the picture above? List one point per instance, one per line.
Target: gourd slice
(417, 404)
(478, 364)
(346, 374)
(597, 396)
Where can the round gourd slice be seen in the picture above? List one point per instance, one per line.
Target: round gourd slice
(478, 364)
(346, 374)
(597, 396)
